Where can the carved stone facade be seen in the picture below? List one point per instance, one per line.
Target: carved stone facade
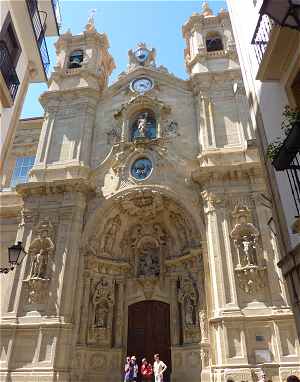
(147, 191)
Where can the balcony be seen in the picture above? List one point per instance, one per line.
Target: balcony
(9, 81)
(272, 44)
(288, 159)
(38, 20)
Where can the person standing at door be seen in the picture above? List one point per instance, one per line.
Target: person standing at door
(127, 370)
(159, 367)
(146, 371)
(135, 369)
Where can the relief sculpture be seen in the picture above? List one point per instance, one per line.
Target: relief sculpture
(40, 250)
(188, 300)
(102, 312)
(249, 271)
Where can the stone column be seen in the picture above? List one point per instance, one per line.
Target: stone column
(175, 328)
(213, 210)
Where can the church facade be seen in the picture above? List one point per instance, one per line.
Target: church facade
(146, 222)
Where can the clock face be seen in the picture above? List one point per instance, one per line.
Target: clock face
(141, 54)
(142, 85)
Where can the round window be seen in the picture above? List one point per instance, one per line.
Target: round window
(141, 168)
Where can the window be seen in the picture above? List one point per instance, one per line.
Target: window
(75, 59)
(9, 36)
(22, 167)
(214, 43)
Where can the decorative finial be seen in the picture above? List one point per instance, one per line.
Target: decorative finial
(206, 10)
(90, 26)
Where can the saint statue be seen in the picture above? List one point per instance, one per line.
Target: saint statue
(248, 250)
(101, 315)
(189, 312)
(40, 249)
(142, 125)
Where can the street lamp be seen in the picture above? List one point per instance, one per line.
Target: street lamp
(16, 255)
(286, 13)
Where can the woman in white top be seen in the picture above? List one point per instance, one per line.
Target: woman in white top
(158, 368)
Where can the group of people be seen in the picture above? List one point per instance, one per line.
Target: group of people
(131, 370)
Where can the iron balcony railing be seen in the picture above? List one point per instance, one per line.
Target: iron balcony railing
(38, 21)
(56, 10)
(288, 159)
(8, 70)
(261, 36)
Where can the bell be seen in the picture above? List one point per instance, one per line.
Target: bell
(75, 62)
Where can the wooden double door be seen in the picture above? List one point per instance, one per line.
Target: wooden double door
(149, 333)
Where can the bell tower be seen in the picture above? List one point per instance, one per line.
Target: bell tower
(210, 45)
(76, 84)
(212, 63)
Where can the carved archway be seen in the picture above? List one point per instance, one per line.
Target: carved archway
(143, 245)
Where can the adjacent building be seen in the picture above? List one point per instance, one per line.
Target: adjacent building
(24, 26)
(145, 219)
(269, 53)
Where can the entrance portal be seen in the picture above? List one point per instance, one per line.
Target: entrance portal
(149, 332)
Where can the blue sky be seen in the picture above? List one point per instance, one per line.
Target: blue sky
(157, 23)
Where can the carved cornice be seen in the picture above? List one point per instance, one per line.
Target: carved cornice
(201, 21)
(10, 204)
(215, 175)
(145, 101)
(55, 187)
(206, 80)
(105, 266)
(68, 94)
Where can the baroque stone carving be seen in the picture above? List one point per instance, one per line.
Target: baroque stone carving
(109, 235)
(113, 135)
(181, 229)
(102, 311)
(41, 248)
(188, 299)
(171, 129)
(143, 204)
(250, 274)
(203, 326)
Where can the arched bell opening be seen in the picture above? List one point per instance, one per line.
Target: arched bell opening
(75, 59)
(214, 42)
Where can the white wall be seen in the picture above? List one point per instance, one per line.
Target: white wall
(8, 115)
(271, 96)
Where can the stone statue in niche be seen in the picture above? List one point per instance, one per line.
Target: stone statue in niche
(244, 235)
(142, 125)
(189, 312)
(203, 325)
(160, 234)
(103, 300)
(109, 238)
(247, 249)
(101, 315)
(181, 228)
(187, 296)
(40, 250)
(148, 260)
